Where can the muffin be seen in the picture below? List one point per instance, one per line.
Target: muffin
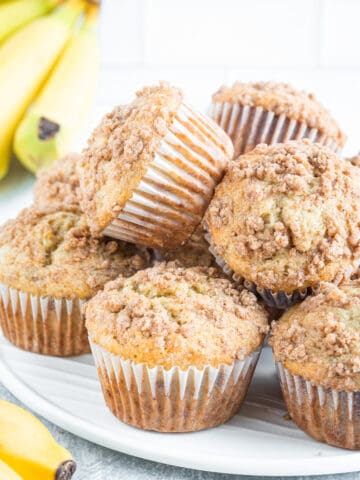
(150, 168)
(269, 112)
(59, 184)
(317, 348)
(175, 347)
(285, 217)
(49, 265)
(195, 253)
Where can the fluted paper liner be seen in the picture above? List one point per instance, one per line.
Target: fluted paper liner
(41, 324)
(179, 182)
(325, 414)
(248, 126)
(273, 299)
(173, 400)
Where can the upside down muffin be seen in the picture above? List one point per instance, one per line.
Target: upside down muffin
(287, 217)
(150, 169)
(49, 265)
(270, 112)
(317, 347)
(175, 347)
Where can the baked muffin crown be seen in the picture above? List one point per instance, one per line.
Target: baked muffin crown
(120, 149)
(319, 339)
(282, 98)
(50, 252)
(287, 216)
(173, 316)
(59, 184)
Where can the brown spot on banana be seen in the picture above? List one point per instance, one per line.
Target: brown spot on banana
(47, 129)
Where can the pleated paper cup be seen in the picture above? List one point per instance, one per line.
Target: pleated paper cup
(248, 126)
(325, 414)
(172, 400)
(45, 325)
(178, 185)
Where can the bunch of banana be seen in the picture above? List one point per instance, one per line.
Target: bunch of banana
(49, 57)
(51, 126)
(27, 449)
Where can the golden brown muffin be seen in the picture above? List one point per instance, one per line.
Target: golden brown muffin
(287, 216)
(150, 169)
(59, 184)
(50, 252)
(270, 112)
(195, 253)
(166, 321)
(50, 264)
(317, 345)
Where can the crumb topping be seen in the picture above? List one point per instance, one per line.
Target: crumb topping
(51, 252)
(319, 339)
(59, 185)
(168, 315)
(287, 216)
(120, 149)
(193, 254)
(282, 98)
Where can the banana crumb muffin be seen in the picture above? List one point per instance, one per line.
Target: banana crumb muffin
(164, 324)
(270, 112)
(59, 184)
(50, 264)
(317, 347)
(195, 252)
(286, 217)
(150, 169)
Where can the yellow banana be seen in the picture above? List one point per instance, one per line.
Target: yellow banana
(52, 124)
(7, 473)
(16, 13)
(28, 447)
(25, 61)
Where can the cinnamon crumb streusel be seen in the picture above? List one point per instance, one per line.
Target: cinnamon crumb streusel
(194, 253)
(59, 185)
(169, 315)
(282, 98)
(50, 252)
(319, 339)
(287, 216)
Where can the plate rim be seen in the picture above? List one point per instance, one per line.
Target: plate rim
(342, 463)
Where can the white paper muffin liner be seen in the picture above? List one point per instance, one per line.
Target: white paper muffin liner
(280, 299)
(44, 325)
(248, 126)
(179, 182)
(327, 415)
(172, 400)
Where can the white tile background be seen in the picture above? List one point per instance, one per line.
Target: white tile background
(201, 44)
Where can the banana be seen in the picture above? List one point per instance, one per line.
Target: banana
(28, 447)
(25, 61)
(51, 126)
(7, 473)
(16, 13)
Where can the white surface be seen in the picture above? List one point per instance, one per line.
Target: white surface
(67, 392)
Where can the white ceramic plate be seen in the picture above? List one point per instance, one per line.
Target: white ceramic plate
(257, 441)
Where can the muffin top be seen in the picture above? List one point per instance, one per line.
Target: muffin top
(120, 149)
(282, 98)
(195, 253)
(59, 185)
(319, 339)
(287, 216)
(51, 252)
(173, 316)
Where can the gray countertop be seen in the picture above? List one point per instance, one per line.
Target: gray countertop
(97, 463)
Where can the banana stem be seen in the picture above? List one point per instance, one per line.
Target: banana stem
(91, 18)
(70, 10)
